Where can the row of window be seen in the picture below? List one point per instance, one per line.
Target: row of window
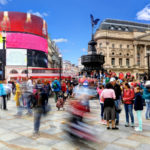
(119, 54)
(119, 28)
(113, 46)
(120, 62)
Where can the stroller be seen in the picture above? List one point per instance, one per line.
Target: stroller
(60, 101)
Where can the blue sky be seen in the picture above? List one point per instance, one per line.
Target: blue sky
(69, 20)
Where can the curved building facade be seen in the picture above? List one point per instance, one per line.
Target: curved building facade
(26, 40)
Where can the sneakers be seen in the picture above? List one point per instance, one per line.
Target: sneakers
(117, 123)
(127, 125)
(138, 129)
(35, 134)
(132, 125)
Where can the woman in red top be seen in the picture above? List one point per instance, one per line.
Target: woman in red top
(63, 87)
(128, 97)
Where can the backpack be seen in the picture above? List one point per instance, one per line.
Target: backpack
(55, 85)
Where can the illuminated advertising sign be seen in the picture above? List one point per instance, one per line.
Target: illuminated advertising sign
(23, 22)
(16, 57)
(26, 41)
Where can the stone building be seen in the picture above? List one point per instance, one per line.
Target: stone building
(124, 45)
(53, 55)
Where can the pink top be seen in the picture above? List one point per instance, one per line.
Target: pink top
(99, 91)
(108, 93)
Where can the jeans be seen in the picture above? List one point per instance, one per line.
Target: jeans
(139, 116)
(147, 115)
(27, 96)
(37, 118)
(129, 111)
(4, 102)
(117, 104)
(55, 96)
(102, 111)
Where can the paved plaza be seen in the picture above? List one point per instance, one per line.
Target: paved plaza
(17, 133)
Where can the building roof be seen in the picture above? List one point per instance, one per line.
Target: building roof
(120, 25)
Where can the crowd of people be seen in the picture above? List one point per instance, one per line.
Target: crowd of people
(114, 92)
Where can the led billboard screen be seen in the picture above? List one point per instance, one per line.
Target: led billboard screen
(37, 59)
(26, 41)
(16, 57)
(23, 22)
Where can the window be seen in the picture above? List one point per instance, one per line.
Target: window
(113, 61)
(126, 29)
(128, 46)
(148, 50)
(121, 46)
(112, 28)
(100, 45)
(127, 62)
(120, 54)
(120, 61)
(113, 45)
(113, 53)
(119, 29)
(127, 54)
(138, 57)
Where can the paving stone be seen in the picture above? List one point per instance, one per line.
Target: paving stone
(24, 142)
(144, 147)
(127, 143)
(140, 138)
(52, 131)
(64, 146)
(47, 141)
(115, 147)
(9, 136)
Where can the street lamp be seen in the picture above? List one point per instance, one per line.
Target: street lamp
(60, 59)
(4, 53)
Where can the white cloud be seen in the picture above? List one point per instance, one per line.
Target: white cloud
(144, 14)
(44, 14)
(3, 2)
(84, 50)
(60, 40)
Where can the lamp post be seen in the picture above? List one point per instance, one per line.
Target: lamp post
(60, 59)
(4, 54)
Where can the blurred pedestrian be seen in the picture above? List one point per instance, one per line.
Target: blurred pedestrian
(146, 96)
(56, 88)
(2, 95)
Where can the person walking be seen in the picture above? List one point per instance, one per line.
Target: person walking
(108, 97)
(128, 97)
(146, 96)
(2, 95)
(138, 107)
(56, 88)
(17, 98)
(39, 105)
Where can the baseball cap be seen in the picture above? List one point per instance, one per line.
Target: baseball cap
(112, 79)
